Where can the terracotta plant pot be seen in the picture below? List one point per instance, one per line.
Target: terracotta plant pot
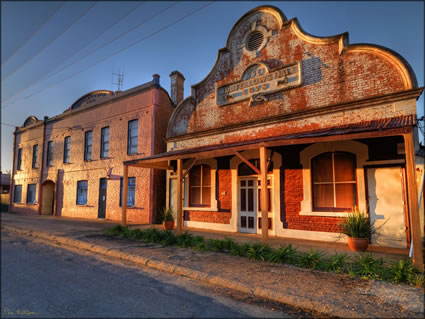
(168, 225)
(358, 244)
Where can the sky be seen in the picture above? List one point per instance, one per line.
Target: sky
(52, 53)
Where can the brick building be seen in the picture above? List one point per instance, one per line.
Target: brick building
(323, 124)
(71, 164)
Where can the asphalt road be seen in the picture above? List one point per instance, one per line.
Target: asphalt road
(39, 280)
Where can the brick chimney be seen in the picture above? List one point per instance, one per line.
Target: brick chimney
(177, 87)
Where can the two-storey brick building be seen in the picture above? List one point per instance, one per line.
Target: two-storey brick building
(71, 164)
(323, 125)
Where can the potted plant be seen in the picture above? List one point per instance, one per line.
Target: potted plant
(358, 228)
(167, 218)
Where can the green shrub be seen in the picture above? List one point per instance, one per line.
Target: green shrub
(168, 238)
(312, 259)
(152, 235)
(366, 266)
(337, 263)
(259, 251)
(186, 240)
(240, 250)
(402, 271)
(285, 254)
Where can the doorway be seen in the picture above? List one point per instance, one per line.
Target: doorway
(387, 205)
(102, 198)
(48, 198)
(247, 222)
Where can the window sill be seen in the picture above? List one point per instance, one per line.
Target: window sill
(84, 205)
(106, 158)
(132, 207)
(208, 209)
(135, 154)
(324, 214)
(32, 204)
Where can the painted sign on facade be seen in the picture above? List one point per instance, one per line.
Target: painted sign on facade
(257, 82)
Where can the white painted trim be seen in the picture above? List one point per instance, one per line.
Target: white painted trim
(313, 235)
(358, 149)
(329, 214)
(384, 162)
(209, 209)
(212, 226)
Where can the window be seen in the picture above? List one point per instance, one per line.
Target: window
(200, 186)
(34, 156)
(66, 149)
(19, 161)
(104, 142)
(49, 153)
(334, 181)
(17, 195)
(133, 128)
(131, 191)
(88, 145)
(31, 193)
(82, 192)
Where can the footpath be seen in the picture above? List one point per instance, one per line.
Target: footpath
(330, 294)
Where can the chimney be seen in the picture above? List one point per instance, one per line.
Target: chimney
(177, 87)
(155, 80)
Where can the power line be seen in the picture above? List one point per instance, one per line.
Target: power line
(29, 39)
(45, 47)
(119, 51)
(49, 73)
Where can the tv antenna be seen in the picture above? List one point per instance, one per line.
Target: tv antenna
(120, 80)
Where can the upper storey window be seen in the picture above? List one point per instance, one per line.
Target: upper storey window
(133, 128)
(49, 158)
(334, 181)
(104, 142)
(34, 156)
(88, 143)
(66, 149)
(19, 160)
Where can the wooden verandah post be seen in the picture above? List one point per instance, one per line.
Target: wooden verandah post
(413, 201)
(124, 197)
(264, 208)
(179, 197)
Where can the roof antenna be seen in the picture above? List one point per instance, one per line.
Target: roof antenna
(120, 80)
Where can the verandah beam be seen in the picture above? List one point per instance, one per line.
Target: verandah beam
(413, 201)
(264, 210)
(189, 168)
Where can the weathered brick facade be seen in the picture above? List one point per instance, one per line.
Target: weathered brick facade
(273, 84)
(148, 103)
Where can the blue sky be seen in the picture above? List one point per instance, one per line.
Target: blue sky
(54, 52)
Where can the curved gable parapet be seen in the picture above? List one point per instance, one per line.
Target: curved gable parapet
(179, 120)
(405, 70)
(270, 67)
(30, 120)
(90, 98)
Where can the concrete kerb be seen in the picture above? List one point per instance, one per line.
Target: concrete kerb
(273, 295)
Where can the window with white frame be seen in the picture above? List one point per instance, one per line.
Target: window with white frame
(334, 183)
(200, 186)
(82, 187)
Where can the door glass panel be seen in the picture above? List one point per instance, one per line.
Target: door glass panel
(250, 222)
(243, 221)
(250, 199)
(243, 200)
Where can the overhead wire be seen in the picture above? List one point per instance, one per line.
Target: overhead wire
(119, 51)
(46, 46)
(32, 36)
(50, 72)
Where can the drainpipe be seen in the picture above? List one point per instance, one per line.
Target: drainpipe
(12, 182)
(40, 188)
